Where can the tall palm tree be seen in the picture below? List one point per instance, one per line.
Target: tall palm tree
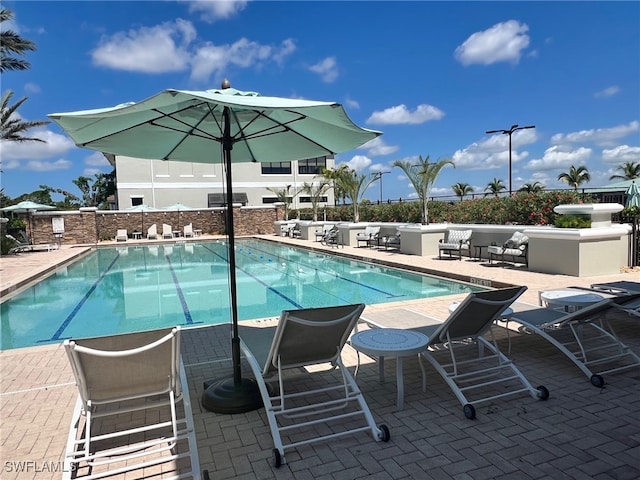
(333, 175)
(494, 187)
(630, 171)
(535, 187)
(422, 176)
(12, 44)
(283, 195)
(13, 128)
(316, 192)
(354, 185)
(462, 189)
(575, 176)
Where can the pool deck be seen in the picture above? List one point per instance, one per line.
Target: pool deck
(580, 432)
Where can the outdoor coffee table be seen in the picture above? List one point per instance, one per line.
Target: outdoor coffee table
(568, 300)
(391, 342)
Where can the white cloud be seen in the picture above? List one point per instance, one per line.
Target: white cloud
(32, 88)
(327, 69)
(557, 156)
(377, 147)
(90, 172)
(97, 159)
(215, 10)
(349, 102)
(621, 154)
(493, 151)
(55, 145)
(504, 42)
(158, 49)
(47, 166)
(243, 53)
(359, 163)
(401, 115)
(607, 92)
(599, 136)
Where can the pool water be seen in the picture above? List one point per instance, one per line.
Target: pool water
(134, 288)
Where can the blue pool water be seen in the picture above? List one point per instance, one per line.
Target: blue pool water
(134, 288)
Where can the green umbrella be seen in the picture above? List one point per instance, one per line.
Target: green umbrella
(633, 195)
(27, 207)
(247, 127)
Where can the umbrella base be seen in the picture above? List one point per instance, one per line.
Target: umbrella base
(225, 396)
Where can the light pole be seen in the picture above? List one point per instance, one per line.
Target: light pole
(379, 175)
(510, 132)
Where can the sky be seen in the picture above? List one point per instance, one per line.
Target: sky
(432, 76)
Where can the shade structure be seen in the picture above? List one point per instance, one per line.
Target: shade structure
(27, 206)
(177, 207)
(184, 125)
(633, 195)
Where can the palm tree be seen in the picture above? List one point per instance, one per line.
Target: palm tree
(354, 185)
(422, 176)
(12, 44)
(494, 187)
(316, 192)
(283, 195)
(575, 176)
(333, 174)
(535, 187)
(13, 127)
(462, 189)
(630, 171)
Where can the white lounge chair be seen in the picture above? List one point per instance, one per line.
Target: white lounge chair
(116, 376)
(308, 338)
(455, 242)
(391, 241)
(121, 235)
(152, 232)
(188, 231)
(331, 237)
(585, 336)
(474, 368)
(167, 231)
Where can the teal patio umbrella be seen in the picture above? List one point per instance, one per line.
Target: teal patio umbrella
(633, 195)
(142, 208)
(227, 126)
(27, 207)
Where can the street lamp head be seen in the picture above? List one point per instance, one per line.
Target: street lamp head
(529, 126)
(514, 127)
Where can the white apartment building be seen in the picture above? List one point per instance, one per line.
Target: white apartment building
(159, 183)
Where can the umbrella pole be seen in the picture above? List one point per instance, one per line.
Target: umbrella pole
(237, 394)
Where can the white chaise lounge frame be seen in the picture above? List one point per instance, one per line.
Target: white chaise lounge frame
(289, 350)
(160, 385)
(586, 336)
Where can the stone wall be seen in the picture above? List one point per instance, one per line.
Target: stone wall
(91, 226)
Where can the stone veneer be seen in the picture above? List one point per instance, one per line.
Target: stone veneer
(91, 226)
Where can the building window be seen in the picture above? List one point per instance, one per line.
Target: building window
(276, 168)
(308, 199)
(312, 166)
(268, 200)
(135, 201)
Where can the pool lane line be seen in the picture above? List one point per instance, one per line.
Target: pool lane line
(76, 309)
(377, 290)
(269, 287)
(183, 301)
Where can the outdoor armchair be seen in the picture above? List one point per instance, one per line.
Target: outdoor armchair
(455, 243)
(369, 236)
(516, 248)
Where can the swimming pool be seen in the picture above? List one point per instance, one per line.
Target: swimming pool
(134, 288)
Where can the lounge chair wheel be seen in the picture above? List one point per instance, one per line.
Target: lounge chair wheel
(543, 392)
(469, 411)
(277, 458)
(597, 381)
(385, 435)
